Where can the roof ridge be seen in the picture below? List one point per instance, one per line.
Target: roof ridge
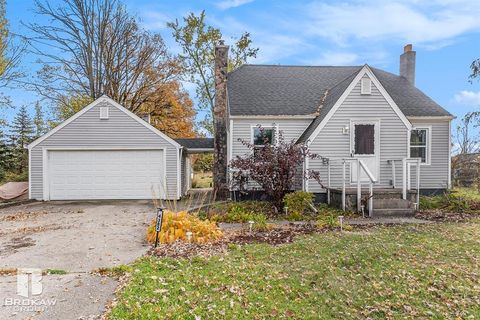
(296, 65)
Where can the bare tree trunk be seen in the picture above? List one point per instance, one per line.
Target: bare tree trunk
(220, 121)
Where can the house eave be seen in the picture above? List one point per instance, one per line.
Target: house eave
(299, 117)
(431, 117)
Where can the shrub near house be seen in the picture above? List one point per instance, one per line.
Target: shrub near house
(273, 165)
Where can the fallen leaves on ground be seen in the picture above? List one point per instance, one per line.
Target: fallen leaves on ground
(445, 215)
(396, 272)
(275, 236)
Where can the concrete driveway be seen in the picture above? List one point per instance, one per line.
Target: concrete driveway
(75, 237)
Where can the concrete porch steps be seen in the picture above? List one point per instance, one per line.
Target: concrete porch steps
(393, 212)
(387, 202)
(393, 207)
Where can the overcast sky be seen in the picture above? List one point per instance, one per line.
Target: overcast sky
(445, 34)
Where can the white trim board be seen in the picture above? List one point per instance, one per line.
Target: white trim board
(431, 117)
(29, 173)
(364, 71)
(449, 180)
(273, 117)
(104, 98)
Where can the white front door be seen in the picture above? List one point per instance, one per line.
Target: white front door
(365, 145)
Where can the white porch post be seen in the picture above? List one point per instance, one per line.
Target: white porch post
(418, 182)
(370, 200)
(394, 175)
(328, 181)
(359, 188)
(343, 186)
(404, 178)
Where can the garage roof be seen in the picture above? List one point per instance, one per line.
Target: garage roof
(196, 143)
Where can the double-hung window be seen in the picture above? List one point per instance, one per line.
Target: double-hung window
(420, 144)
(262, 136)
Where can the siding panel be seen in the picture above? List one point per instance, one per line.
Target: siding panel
(435, 175)
(292, 129)
(332, 143)
(88, 130)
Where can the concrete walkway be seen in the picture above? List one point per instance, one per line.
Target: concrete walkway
(75, 237)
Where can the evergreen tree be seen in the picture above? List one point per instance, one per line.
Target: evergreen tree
(4, 153)
(21, 135)
(39, 121)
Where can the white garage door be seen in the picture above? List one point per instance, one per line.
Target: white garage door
(105, 174)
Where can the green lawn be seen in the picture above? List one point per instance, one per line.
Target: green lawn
(427, 271)
(202, 180)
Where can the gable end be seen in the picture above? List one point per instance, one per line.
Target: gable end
(112, 103)
(374, 81)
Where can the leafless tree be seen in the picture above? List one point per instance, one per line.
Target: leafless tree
(95, 47)
(12, 48)
(466, 138)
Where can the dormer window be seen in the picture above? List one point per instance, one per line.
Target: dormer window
(104, 113)
(366, 86)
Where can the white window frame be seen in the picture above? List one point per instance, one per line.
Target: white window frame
(366, 86)
(274, 137)
(428, 151)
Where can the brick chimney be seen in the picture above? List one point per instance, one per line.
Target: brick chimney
(407, 64)
(220, 115)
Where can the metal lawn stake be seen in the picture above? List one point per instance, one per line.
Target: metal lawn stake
(189, 236)
(158, 224)
(251, 225)
(340, 218)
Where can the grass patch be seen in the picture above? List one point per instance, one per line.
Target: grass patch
(202, 180)
(115, 272)
(421, 271)
(55, 271)
(457, 200)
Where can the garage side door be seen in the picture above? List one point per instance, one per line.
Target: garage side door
(105, 174)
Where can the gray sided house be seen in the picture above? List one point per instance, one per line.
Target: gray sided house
(107, 152)
(354, 116)
(375, 131)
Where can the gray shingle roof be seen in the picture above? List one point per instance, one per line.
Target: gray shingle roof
(300, 90)
(196, 143)
(281, 90)
(411, 100)
(332, 96)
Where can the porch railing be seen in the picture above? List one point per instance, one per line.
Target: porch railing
(406, 163)
(361, 166)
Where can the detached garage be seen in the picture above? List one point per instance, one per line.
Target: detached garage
(105, 152)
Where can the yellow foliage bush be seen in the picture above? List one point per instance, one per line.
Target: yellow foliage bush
(177, 224)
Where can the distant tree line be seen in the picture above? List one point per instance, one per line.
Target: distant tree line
(88, 48)
(14, 139)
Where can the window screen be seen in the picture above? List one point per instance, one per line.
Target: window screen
(364, 139)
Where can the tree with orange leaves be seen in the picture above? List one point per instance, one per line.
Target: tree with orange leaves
(171, 110)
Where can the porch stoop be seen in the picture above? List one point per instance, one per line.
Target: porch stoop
(387, 202)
